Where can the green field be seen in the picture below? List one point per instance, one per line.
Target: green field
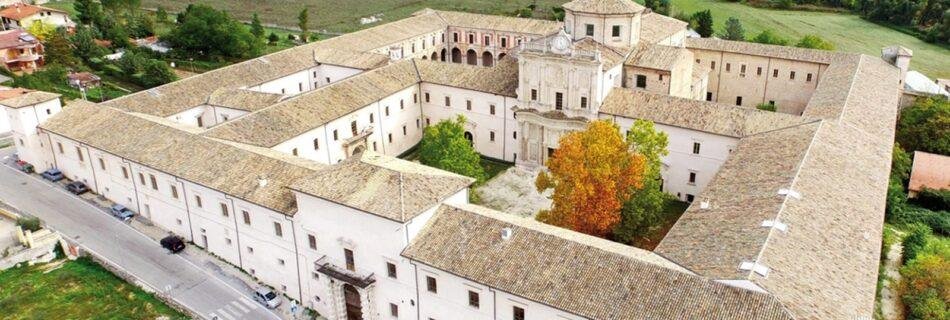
(847, 32)
(79, 289)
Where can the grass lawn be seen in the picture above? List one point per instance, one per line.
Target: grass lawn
(672, 211)
(848, 32)
(80, 289)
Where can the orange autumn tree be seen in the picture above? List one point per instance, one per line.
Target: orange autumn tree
(592, 173)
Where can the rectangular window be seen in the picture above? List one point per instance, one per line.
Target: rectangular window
(300, 86)
(141, 178)
(79, 154)
(415, 98)
(427, 97)
(312, 241)
(517, 313)
(504, 42)
(386, 111)
(278, 229)
(468, 105)
(417, 124)
(59, 145)
(404, 130)
(491, 109)
(316, 144)
(583, 102)
(393, 310)
(390, 138)
(471, 38)
(696, 147)
(487, 40)
(448, 101)
(455, 37)
(616, 31)
(692, 177)
(738, 101)
(708, 96)
(712, 65)
(641, 81)
(353, 128)
(391, 270)
(151, 178)
(728, 67)
(402, 104)
(198, 201)
(758, 71)
(327, 79)
(808, 77)
(224, 209)
(294, 152)
(589, 28)
(491, 136)
(473, 299)
(348, 257)
(174, 191)
(558, 100)
(791, 75)
(125, 173)
(431, 285)
(102, 163)
(775, 73)
(247, 217)
(534, 94)
(336, 135)
(742, 69)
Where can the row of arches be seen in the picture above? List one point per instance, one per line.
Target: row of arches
(471, 57)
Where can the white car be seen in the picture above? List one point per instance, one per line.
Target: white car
(267, 297)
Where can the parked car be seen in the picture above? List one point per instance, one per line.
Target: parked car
(77, 188)
(174, 244)
(267, 297)
(53, 175)
(24, 166)
(121, 212)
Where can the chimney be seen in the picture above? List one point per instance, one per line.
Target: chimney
(506, 233)
(395, 53)
(262, 181)
(898, 56)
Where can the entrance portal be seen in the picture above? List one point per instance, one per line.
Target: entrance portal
(354, 310)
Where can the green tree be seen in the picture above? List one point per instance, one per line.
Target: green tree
(734, 30)
(161, 15)
(769, 37)
(84, 45)
(205, 31)
(87, 11)
(59, 50)
(641, 213)
(41, 30)
(915, 242)
(156, 73)
(925, 290)
(900, 164)
(925, 126)
(256, 28)
(814, 42)
(273, 38)
(444, 146)
(302, 22)
(704, 23)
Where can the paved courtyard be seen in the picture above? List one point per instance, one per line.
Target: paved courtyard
(513, 192)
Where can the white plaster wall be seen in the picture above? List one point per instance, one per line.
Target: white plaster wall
(603, 27)
(222, 114)
(31, 145)
(479, 120)
(291, 84)
(50, 17)
(325, 74)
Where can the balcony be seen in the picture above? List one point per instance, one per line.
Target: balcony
(358, 278)
(22, 58)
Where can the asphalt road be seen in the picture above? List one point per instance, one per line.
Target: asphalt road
(97, 231)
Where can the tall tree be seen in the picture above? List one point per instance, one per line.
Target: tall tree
(302, 21)
(205, 31)
(257, 29)
(812, 41)
(925, 126)
(161, 15)
(644, 209)
(59, 50)
(734, 30)
(41, 30)
(87, 11)
(444, 146)
(592, 173)
(704, 23)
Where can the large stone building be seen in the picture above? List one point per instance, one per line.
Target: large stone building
(285, 166)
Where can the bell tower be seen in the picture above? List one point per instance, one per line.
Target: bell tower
(614, 23)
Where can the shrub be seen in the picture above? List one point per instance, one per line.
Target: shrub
(915, 242)
(925, 126)
(934, 199)
(925, 290)
(766, 107)
(29, 223)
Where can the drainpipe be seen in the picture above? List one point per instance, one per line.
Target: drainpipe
(415, 271)
(237, 233)
(92, 166)
(293, 230)
(135, 188)
(184, 194)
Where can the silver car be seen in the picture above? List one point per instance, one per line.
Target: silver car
(267, 297)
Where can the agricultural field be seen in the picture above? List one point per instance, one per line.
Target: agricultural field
(848, 32)
(75, 290)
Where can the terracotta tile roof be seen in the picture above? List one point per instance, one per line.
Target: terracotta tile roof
(243, 99)
(19, 98)
(206, 162)
(292, 117)
(16, 38)
(587, 276)
(604, 6)
(22, 10)
(765, 50)
(658, 57)
(499, 23)
(930, 170)
(824, 265)
(501, 79)
(394, 189)
(655, 27)
(711, 117)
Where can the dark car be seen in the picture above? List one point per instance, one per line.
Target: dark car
(53, 175)
(24, 166)
(173, 243)
(121, 212)
(77, 188)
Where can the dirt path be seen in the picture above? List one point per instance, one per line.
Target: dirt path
(891, 307)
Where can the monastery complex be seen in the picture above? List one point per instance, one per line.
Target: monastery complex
(286, 167)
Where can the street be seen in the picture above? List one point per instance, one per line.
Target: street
(97, 231)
